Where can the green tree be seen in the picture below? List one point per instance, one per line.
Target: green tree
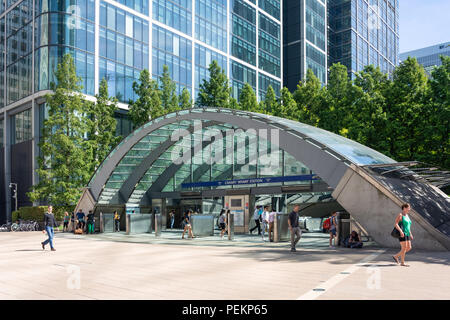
(102, 127)
(169, 98)
(309, 97)
(437, 145)
(338, 96)
(216, 91)
(286, 106)
(367, 118)
(270, 103)
(406, 98)
(185, 99)
(65, 154)
(148, 105)
(247, 99)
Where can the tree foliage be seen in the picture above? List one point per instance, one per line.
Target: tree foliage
(148, 105)
(102, 127)
(216, 91)
(169, 98)
(185, 99)
(65, 153)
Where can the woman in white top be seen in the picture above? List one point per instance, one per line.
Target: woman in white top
(265, 221)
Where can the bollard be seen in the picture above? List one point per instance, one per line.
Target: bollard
(276, 234)
(127, 224)
(230, 226)
(101, 223)
(158, 224)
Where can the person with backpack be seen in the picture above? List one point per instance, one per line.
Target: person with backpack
(405, 234)
(333, 229)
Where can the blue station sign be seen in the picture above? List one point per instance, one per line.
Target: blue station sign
(307, 177)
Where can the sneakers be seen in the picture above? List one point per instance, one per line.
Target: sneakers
(53, 249)
(43, 246)
(293, 250)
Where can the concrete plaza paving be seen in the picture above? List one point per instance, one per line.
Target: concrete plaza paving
(116, 266)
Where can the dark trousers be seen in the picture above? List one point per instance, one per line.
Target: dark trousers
(258, 225)
(117, 224)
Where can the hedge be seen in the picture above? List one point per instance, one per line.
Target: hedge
(37, 213)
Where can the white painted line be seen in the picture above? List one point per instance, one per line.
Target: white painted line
(330, 283)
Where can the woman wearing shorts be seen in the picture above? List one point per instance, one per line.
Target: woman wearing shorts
(405, 234)
(222, 223)
(187, 224)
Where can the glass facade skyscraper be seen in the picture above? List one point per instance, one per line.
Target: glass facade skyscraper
(364, 32)
(429, 57)
(305, 40)
(115, 40)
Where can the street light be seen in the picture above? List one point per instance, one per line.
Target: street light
(14, 192)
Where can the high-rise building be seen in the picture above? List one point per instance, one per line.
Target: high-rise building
(304, 40)
(115, 40)
(364, 32)
(429, 57)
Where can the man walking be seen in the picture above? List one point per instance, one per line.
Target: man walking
(256, 215)
(294, 228)
(265, 221)
(49, 223)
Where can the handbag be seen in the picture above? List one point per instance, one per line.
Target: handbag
(395, 233)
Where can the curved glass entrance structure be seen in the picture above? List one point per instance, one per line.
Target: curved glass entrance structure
(208, 153)
(143, 162)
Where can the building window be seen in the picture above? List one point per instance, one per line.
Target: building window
(21, 127)
(1, 133)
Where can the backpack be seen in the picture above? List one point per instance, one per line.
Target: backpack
(327, 224)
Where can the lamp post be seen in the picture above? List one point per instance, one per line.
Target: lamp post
(14, 192)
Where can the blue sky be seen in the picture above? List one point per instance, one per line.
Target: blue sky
(423, 23)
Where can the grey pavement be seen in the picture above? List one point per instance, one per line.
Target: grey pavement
(117, 266)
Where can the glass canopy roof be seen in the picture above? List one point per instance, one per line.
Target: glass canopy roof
(241, 166)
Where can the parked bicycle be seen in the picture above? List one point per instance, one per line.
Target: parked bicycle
(25, 226)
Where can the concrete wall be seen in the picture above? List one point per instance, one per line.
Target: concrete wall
(375, 208)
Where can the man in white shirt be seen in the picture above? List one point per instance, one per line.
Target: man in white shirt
(265, 221)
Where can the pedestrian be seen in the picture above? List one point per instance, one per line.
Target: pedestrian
(271, 225)
(172, 218)
(222, 223)
(256, 215)
(49, 223)
(66, 221)
(405, 233)
(264, 221)
(90, 222)
(80, 218)
(116, 221)
(354, 241)
(294, 228)
(187, 224)
(72, 221)
(333, 228)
